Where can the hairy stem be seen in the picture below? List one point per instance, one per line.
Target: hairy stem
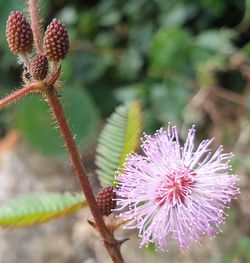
(32, 87)
(36, 24)
(112, 245)
(26, 61)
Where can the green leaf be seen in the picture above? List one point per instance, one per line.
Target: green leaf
(81, 112)
(30, 210)
(169, 100)
(86, 67)
(217, 41)
(33, 119)
(176, 15)
(130, 64)
(171, 51)
(120, 136)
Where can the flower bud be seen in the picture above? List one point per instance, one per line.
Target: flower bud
(105, 200)
(19, 34)
(56, 42)
(39, 67)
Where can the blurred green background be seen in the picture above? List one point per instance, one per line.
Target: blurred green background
(185, 61)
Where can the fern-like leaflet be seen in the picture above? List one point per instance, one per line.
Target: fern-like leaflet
(34, 209)
(119, 137)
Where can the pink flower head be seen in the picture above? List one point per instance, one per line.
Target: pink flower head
(175, 191)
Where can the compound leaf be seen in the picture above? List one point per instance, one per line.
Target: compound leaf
(119, 137)
(29, 210)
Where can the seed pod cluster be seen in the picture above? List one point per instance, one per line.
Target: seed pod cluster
(56, 41)
(105, 200)
(19, 34)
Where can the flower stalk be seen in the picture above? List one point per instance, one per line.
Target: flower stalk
(56, 33)
(111, 244)
(36, 24)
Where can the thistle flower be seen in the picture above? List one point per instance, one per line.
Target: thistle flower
(175, 191)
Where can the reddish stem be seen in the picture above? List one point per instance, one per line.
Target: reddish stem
(112, 245)
(36, 25)
(32, 87)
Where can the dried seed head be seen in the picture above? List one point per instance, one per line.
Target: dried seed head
(105, 200)
(19, 34)
(56, 41)
(39, 67)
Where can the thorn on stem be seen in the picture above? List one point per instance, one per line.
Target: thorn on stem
(117, 243)
(122, 241)
(93, 224)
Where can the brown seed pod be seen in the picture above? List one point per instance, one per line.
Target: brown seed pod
(39, 67)
(105, 200)
(18, 33)
(56, 41)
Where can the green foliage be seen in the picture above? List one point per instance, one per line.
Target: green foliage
(211, 49)
(34, 121)
(125, 50)
(34, 209)
(169, 99)
(119, 137)
(240, 252)
(85, 68)
(170, 51)
(130, 57)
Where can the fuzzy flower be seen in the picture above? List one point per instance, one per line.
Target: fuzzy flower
(175, 191)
